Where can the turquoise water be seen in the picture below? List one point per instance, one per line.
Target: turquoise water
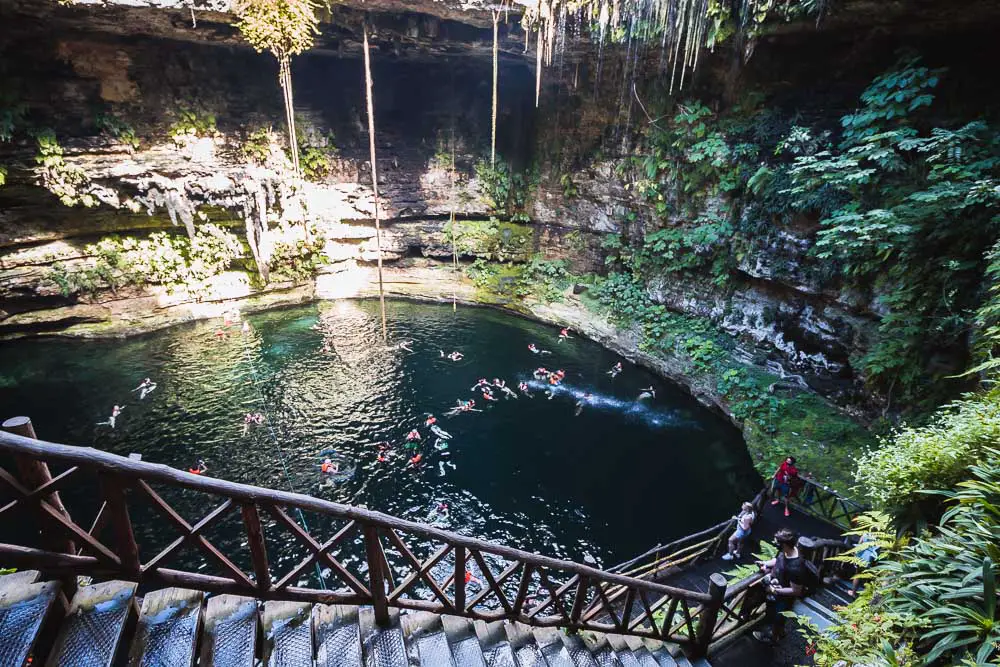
(608, 483)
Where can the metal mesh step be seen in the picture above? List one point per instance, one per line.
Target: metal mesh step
(338, 637)
(168, 629)
(93, 629)
(288, 634)
(23, 609)
(230, 638)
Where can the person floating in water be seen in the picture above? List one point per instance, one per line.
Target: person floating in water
(145, 388)
(488, 395)
(523, 387)
(383, 453)
(413, 435)
(440, 444)
(535, 350)
(463, 406)
(541, 372)
(454, 356)
(564, 334)
(431, 420)
(327, 347)
(402, 345)
(615, 370)
(482, 382)
(199, 469)
(252, 419)
(328, 467)
(115, 411)
(581, 403)
(470, 578)
(440, 432)
(416, 459)
(647, 393)
(555, 379)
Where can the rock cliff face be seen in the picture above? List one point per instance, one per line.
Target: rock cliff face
(71, 67)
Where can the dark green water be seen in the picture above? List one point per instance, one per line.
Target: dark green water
(610, 482)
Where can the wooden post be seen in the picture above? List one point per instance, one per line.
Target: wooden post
(709, 615)
(258, 547)
(376, 578)
(460, 579)
(35, 473)
(128, 550)
(579, 600)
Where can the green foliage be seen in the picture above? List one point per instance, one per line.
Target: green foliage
(62, 179)
(570, 191)
(192, 124)
(703, 243)
(935, 456)
(118, 129)
(283, 27)
(3, 175)
(505, 191)
(298, 252)
(913, 213)
(256, 148)
(868, 633)
(948, 578)
(747, 570)
(539, 279)
(317, 151)
(12, 115)
(160, 259)
(490, 239)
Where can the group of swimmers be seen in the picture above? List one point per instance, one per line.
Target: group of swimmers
(145, 388)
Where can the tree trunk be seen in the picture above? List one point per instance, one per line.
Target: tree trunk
(371, 146)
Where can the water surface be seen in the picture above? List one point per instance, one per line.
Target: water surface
(607, 483)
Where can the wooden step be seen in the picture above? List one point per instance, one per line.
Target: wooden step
(93, 631)
(338, 637)
(288, 640)
(167, 632)
(230, 636)
(24, 607)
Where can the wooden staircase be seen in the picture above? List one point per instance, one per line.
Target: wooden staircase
(107, 624)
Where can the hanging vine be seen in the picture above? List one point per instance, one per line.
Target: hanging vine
(285, 28)
(371, 146)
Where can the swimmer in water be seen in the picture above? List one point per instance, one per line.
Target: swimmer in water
(440, 444)
(456, 356)
(383, 454)
(199, 469)
(252, 418)
(145, 388)
(431, 420)
(582, 402)
(488, 395)
(534, 349)
(508, 392)
(523, 387)
(615, 370)
(541, 372)
(416, 459)
(413, 435)
(115, 411)
(564, 334)
(647, 394)
(483, 382)
(440, 432)
(328, 467)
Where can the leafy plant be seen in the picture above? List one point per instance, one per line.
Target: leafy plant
(934, 456)
(504, 191)
(298, 251)
(192, 124)
(258, 145)
(948, 578)
(118, 129)
(747, 570)
(66, 181)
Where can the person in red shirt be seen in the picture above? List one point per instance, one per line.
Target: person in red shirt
(199, 469)
(786, 482)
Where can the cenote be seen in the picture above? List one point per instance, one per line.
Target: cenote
(607, 483)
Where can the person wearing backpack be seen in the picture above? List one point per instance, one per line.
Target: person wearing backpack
(788, 578)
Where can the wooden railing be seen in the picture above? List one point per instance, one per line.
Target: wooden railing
(824, 503)
(373, 559)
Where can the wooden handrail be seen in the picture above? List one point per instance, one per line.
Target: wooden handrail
(89, 457)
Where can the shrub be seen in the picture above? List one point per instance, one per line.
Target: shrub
(191, 124)
(62, 179)
(298, 252)
(935, 456)
(118, 129)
